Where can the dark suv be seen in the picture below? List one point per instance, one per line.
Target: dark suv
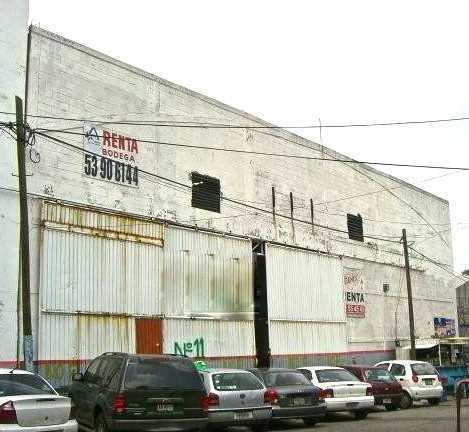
(140, 392)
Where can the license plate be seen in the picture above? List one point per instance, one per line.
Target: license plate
(244, 415)
(164, 408)
(387, 401)
(351, 404)
(428, 381)
(299, 401)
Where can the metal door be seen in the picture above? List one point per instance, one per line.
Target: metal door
(149, 335)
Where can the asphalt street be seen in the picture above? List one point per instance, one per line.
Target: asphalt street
(421, 418)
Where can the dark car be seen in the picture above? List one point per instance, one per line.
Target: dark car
(292, 395)
(135, 392)
(386, 389)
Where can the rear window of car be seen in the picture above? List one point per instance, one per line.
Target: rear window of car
(235, 381)
(282, 379)
(381, 375)
(23, 384)
(423, 369)
(147, 374)
(335, 375)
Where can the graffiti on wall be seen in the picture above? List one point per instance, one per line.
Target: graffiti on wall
(190, 349)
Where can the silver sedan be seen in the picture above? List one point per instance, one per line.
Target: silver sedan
(28, 403)
(236, 397)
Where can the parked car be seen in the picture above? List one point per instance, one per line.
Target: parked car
(133, 392)
(236, 397)
(292, 395)
(343, 390)
(29, 403)
(386, 389)
(419, 380)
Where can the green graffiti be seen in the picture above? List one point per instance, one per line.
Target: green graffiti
(191, 349)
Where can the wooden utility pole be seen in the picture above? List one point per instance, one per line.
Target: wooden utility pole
(24, 239)
(409, 296)
(312, 215)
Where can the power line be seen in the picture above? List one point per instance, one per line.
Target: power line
(438, 264)
(288, 156)
(231, 200)
(189, 124)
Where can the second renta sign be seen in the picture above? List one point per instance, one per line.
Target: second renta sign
(354, 295)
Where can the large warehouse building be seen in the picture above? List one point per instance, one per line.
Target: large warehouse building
(141, 243)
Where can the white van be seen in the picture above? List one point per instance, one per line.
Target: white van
(419, 380)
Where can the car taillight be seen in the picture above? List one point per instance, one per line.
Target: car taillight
(118, 406)
(72, 415)
(415, 378)
(326, 394)
(8, 413)
(369, 391)
(209, 401)
(271, 396)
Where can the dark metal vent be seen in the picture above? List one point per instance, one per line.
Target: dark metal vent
(355, 227)
(205, 192)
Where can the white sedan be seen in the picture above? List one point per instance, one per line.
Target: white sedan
(343, 391)
(29, 403)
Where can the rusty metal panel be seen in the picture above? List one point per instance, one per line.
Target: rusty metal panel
(83, 337)
(303, 285)
(149, 336)
(93, 274)
(209, 338)
(292, 337)
(101, 224)
(207, 274)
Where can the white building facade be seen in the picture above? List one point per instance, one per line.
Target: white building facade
(141, 243)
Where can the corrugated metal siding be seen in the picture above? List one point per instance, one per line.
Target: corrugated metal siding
(220, 338)
(306, 337)
(102, 224)
(302, 285)
(83, 337)
(92, 274)
(207, 274)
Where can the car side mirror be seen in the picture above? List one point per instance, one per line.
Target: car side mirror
(77, 377)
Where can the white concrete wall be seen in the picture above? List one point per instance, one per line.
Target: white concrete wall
(13, 39)
(69, 80)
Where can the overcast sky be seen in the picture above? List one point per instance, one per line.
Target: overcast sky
(292, 62)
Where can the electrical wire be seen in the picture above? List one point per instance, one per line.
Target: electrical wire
(288, 156)
(438, 264)
(225, 198)
(263, 126)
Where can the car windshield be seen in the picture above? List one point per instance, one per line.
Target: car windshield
(381, 375)
(161, 373)
(289, 378)
(423, 369)
(12, 384)
(335, 375)
(236, 381)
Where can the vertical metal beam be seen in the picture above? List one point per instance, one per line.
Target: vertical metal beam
(312, 215)
(409, 296)
(273, 202)
(24, 238)
(291, 215)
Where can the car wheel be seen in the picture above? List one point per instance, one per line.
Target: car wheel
(100, 424)
(391, 407)
(406, 402)
(308, 421)
(360, 415)
(433, 402)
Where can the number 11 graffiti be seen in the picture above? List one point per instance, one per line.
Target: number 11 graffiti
(195, 349)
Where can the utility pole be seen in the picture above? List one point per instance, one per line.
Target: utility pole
(24, 239)
(409, 296)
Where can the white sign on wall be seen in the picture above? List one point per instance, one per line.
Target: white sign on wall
(354, 295)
